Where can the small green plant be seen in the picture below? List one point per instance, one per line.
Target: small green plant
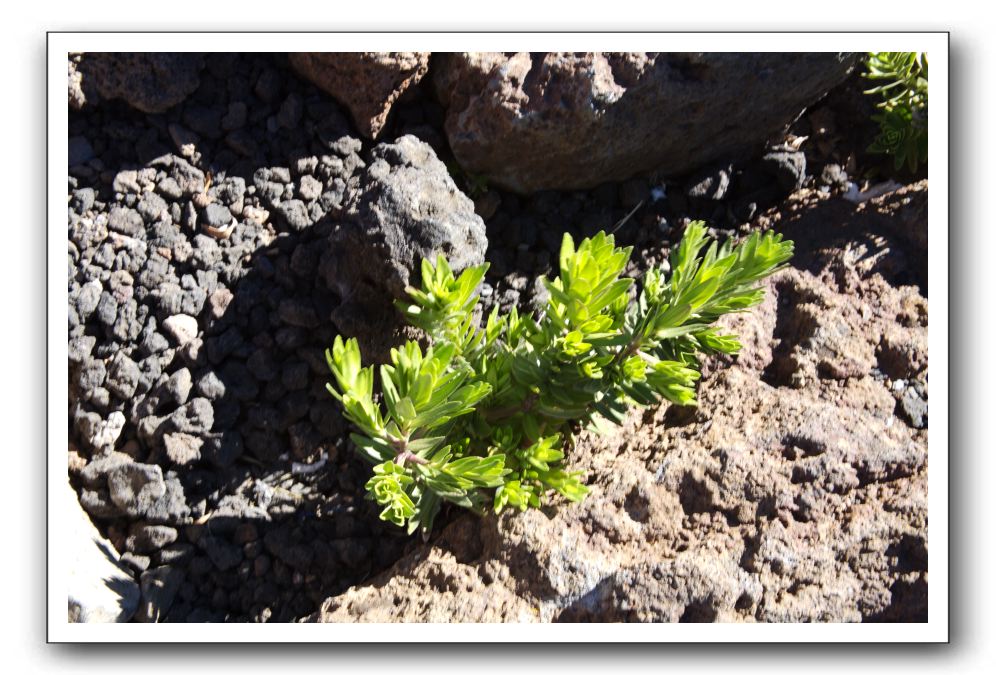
(903, 120)
(486, 416)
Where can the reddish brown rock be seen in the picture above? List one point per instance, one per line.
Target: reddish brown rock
(368, 83)
(535, 121)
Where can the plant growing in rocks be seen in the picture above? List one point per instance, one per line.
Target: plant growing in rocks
(486, 416)
(903, 120)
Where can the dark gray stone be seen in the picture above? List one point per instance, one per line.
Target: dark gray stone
(107, 309)
(177, 387)
(788, 168)
(135, 487)
(80, 151)
(195, 417)
(147, 538)
(834, 177)
(128, 326)
(222, 554)
(171, 507)
(148, 81)
(91, 375)
(204, 120)
(152, 207)
(123, 376)
(262, 366)
(294, 215)
(269, 85)
(222, 450)
(80, 348)
(394, 220)
(83, 200)
(295, 375)
(168, 187)
(298, 313)
(153, 343)
(126, 221)
(236, 116)
(239, 382)
(291, 111)
(217, 215)
(210, 386)
(98, 504)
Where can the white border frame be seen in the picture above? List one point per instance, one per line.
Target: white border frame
(935, 630)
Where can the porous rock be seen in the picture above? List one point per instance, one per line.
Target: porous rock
(367, 83)
(535, 121)
(405, 208)
(152, 82)
(134, 487)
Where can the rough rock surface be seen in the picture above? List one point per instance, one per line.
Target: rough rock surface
(794, 492)
(101, 588)
(536, 121)
(368, 83)
(150, 82)
(77, 99)
(404, 207)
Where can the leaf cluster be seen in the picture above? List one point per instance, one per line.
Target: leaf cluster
(903, 117)
(485, 417)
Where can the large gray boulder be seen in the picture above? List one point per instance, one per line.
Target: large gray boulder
(401, 208)
(536, 121)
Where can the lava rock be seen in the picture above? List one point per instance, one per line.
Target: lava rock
(534, 121)
(222, 554)
(788, 168)
(126, 221)
(217, 215)
(177, 387)
(407, 209)
(123, 376)
(294, 215)
(223, 449)
(182, 448)
(147, 538)
(368, 83)
(135, 487)
(80, 151)
(195, 417)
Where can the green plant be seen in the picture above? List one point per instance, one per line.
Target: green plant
(903, 120)
(485, 417)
